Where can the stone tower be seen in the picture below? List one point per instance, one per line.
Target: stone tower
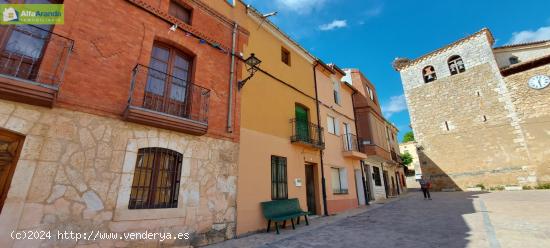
(468, 113)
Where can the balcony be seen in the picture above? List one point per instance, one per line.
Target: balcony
(165, 101)
(32, 63)
(373, 150)
(395, 157)
(351, 147)
(307, 134)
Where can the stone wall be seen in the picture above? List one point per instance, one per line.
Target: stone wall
(533, 108)
(469, 126)
(75, 172)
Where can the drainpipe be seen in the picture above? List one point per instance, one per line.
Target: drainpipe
(360, 162)
(231, 81)
(323, 182)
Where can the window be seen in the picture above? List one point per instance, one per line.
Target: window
(336, 92)
(513, 60)
(285, 56)
(339, 181)
(332, 125)
(168, 81)
(376, 176)
(456, 65)
(429, 74)
(279, 187)
(371, 95)
(22, 47)
(178, 11)
(156, 179)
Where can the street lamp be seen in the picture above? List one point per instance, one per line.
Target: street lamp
(251, 66)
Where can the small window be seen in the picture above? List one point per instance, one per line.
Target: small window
(371, 95)
(376, 176)
(336, 92)
(513, 60)
(429, 74)
(456, 65)
(178, 11)
(285, 56)
(332, 125)
(279, 187)
(339, 181)
(156, 179)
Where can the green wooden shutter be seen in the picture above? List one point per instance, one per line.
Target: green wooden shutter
(302, 127)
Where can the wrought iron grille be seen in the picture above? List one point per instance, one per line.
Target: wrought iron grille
(307, 132)
(279, 186)
(34, 53)
(350, 142)
(156, 179)
(161, 92)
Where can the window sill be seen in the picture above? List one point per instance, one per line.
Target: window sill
(149, 214)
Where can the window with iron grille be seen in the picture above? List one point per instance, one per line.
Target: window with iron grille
(180, 12)
(376, 176)
(279, 187)
(156, 179)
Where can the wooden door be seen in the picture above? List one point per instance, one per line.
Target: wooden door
(310, 188)
(10, 147)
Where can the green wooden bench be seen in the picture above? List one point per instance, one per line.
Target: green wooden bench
(283, 210)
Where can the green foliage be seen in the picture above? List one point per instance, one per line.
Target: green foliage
(406, 158)
(480, 185)
(497, 188)
(409, 136)
(543, 186)
(527, 187)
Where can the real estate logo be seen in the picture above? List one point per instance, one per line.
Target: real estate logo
(10, 14)
(32, 14)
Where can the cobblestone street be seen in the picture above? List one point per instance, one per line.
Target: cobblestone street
(453, 219)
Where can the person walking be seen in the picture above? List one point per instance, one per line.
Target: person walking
(425, 185)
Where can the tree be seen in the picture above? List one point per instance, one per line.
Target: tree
(409, 136)
(406, 158)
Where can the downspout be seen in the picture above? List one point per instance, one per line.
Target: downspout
(361, 161)
(231, 81)
(323, 182)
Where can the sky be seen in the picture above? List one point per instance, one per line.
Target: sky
(370, 34)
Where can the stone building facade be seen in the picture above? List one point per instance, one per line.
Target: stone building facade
(474, 116)
(83, 137)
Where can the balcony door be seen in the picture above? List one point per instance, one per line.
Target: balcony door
(348, 138)
(22, 46)
(302, 123)
(168, 86)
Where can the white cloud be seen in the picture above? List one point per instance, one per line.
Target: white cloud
(301, 6)
(334, 25)
(542, 33)
(395, 105)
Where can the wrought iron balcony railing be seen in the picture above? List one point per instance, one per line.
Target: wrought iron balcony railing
(307, 133)
(350, 142)
(34, 54)
(160, 99)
